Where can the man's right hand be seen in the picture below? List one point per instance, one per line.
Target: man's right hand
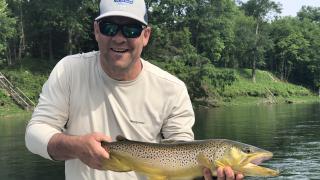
(87, 148)
(90, 151)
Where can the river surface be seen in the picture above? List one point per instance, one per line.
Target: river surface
(291, 132)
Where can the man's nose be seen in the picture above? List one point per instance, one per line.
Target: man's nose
(119, 37)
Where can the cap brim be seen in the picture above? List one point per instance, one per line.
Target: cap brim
(123, 14)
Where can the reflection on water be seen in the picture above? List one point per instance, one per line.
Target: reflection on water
(291, 132)
(16, 163)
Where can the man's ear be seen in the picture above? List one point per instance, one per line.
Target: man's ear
(96, 30)
(146, 35)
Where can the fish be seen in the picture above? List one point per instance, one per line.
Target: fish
(185, 160)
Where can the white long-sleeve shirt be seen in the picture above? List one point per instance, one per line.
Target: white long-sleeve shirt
(80, 98)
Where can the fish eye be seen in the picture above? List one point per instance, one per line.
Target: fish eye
(247, 150)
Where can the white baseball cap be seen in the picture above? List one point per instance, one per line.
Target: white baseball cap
(135, 9)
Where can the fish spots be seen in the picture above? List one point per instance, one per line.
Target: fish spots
(171, 155)
(169, 158)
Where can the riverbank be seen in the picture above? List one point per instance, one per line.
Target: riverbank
(13, 111)
(267, 89)
(243, 101)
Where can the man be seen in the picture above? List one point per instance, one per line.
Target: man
(96, 96)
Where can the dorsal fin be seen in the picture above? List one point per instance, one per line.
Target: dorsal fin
(121, 138)
(165, 141)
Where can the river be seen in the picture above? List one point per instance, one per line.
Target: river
(291, 132)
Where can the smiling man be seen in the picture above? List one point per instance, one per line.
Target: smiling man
(93, 97)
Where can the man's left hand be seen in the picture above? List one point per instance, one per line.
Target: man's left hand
(225, 173)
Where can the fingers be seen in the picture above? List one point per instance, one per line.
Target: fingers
(90, 150)
(239, 177)
(101, 137)
(207, 174)
(227, 173)
(220, 174)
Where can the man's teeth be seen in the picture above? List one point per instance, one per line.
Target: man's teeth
(119, 50)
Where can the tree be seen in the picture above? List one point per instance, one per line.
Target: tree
(259, 9)
(7, 31)
(211, 25)
(311, 13)
(244, 40)
(57, 28)
(310, 18)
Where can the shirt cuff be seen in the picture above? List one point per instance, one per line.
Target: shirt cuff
(37, 138)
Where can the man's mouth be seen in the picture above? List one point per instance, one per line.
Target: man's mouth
(119, 50)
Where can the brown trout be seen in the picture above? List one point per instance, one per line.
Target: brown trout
(185, 160)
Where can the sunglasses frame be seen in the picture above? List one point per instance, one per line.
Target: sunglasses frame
(121, 27)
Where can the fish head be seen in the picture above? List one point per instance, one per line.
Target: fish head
(245, 159)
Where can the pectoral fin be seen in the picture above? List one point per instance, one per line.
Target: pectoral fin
(157, 178)
(203, 161)
(219, 164)
(114, 163)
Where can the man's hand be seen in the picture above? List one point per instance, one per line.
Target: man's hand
(87, 148)
(90, 151)
(222, 174)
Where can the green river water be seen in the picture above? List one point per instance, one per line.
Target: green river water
(291, 132)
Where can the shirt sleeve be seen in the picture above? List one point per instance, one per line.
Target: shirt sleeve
(51, 113)
(178, 125)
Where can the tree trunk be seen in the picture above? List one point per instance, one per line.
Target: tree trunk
(50, 46)
(22, 37)
(254, 61)
(254, 67)
(70, 41)
(9, 60)
(282, 69)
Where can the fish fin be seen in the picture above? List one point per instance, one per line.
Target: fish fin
(114, 163)
(165, 141)
(219, 163)
(154, 177)
(121, 138)
(203, 161)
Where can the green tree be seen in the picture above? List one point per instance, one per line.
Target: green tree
(211, 25)
(296, 51)
(244, 41)
(7, 30)
(311, 13)
(310, 16)
(57, 28)
(259, 9)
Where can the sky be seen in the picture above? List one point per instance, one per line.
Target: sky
(291, 7)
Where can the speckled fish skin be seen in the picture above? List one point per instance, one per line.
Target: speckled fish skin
(176, 160)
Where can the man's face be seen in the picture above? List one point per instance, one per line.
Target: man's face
(118, 53)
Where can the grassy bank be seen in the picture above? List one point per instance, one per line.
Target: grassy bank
(267, 89)
(8, 107)
(30, 77)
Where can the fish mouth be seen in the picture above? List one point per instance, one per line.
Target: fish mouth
(258, 158)
(251, 165)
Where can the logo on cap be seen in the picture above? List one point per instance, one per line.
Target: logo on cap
(124, 1)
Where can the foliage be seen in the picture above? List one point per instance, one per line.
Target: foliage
(259, 9)
(266, 85)
(7, 30)
(28, 78)
(191, 39)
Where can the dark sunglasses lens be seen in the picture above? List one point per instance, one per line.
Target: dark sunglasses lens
(132, 31)
(108, 29)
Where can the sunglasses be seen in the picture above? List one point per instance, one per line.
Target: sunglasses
(128, 30)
